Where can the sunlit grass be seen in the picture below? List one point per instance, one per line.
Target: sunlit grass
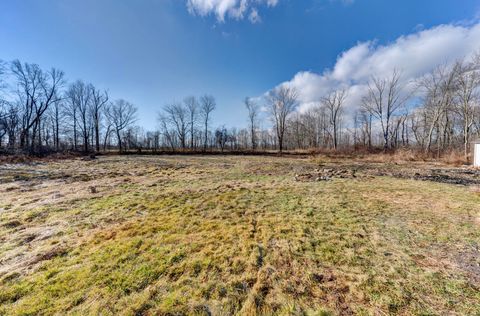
(240, 236)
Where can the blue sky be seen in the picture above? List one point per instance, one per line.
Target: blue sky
(152, 52)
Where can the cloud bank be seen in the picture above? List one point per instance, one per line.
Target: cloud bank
(413, 55)
(236, 9)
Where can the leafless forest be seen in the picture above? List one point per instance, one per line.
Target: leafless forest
(42, 112)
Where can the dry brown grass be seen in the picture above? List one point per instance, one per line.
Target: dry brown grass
(234, 235)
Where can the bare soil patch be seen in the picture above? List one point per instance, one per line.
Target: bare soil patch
(466, 176)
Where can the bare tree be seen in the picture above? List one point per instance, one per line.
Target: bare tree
(3, 123)
(3, 105)
(221, 137)
(37, 90)
(108, 125)
(168, 134)
(192, 106)
(177, 115)
(208, 105)
(253, 112)
(57, 114)
(79, 95)
(439, 90)
(11, 121)
(334, 103)
(71, 110)
(121, 114)
(365, 119)
(383, 100)
(467, 97)
(98, 101)
(282, 101)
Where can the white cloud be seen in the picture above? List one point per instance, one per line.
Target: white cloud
(254, 17)
(235, 9)
(413, 55)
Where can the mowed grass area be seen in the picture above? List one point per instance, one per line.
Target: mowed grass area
(232, 235)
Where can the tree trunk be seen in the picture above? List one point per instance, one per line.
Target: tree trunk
(97, 134)
(206, 135)
(119, 141)
(75, 134)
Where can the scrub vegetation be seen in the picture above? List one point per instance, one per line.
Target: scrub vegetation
(145, 235)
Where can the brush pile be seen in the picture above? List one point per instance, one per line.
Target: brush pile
(326, 174)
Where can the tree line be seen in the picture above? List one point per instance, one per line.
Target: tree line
(434, 114)
(44, 113)
(439, 112)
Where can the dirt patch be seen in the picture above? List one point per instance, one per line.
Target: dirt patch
(451, 176)
(468, 261)
(326, 172)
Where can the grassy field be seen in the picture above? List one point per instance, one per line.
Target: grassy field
(234, 235)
